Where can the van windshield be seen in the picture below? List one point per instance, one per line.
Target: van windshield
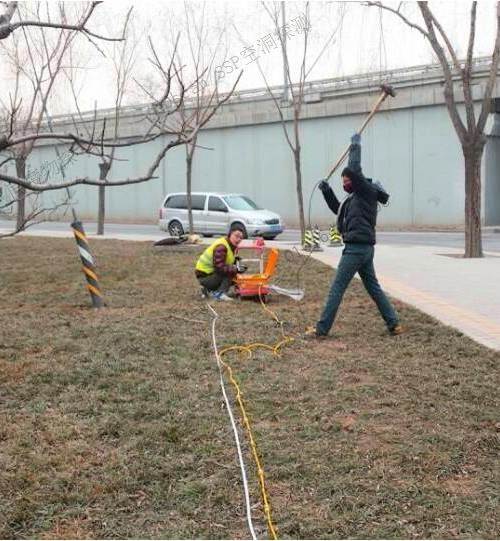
(240, 202)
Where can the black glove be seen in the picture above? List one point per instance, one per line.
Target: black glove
(323, 185)
(356, 139)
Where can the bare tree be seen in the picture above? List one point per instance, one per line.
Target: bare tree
(470, 131)
(200, 60)
(293, 94)
(202, 44)
(294, 87)
(122, 59)
(35, 60)
(162, 119)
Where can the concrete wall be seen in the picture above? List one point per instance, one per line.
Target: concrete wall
(410, 146)
(414, 153)
(492, 176)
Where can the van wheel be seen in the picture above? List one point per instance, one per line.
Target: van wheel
(175, 228)
(245, 234)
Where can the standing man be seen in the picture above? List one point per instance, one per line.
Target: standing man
(219, 264)
(356, 222)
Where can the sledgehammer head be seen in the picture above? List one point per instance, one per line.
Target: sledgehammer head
(388, 90)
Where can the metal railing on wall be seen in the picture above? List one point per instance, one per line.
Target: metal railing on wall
(425, 74)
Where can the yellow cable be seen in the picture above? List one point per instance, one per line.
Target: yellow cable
(247, 348)
(286, 339)
(260, 470)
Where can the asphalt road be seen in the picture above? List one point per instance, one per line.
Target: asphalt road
(491, 240)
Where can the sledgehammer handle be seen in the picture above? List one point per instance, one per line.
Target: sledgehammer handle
(360, 131)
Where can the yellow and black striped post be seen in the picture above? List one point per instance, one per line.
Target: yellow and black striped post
(317, 239)
(308, 239)
(335, 238)
(88, 264)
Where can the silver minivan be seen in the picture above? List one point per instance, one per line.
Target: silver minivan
(215, 212)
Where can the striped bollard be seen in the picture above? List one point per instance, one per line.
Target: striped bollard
(335, 238)
(317, 239)
(88, 264)
(308, 240)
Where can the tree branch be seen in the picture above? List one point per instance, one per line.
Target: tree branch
(149, 175)
(443, 34)
(7, 28)
(180, 140)
(449, 94)
(36, 216)
(400, 15)
(466, 73)
(273, 97)
(80, 141)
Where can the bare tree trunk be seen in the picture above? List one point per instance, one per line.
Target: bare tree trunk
(298, 170)
(473, 243)
(300, 198)
(101, 213)
(21, 193)
(189, 171)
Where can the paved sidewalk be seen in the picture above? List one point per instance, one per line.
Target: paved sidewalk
(463, 293)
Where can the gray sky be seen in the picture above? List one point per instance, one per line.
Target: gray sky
(365, 39)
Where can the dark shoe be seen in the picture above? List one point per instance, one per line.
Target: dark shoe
(311, 334)
(396, 330)
(204, 293)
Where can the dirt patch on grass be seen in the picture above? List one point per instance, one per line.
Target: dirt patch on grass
(112, 423)
(461, 486)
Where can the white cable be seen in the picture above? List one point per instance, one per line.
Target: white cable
(233, 424)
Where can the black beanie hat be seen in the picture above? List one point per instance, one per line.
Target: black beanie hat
(346, 172)
(236, 227)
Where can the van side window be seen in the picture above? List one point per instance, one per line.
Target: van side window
(176, 202)
(215, 204)
(198, 202)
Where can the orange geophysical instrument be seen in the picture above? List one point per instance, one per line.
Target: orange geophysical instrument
(258, 284)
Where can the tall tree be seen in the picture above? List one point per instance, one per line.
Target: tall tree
(202, 44)
(35, 57)
(293, 94)
(471, 129)
(294, 83)
(162, 121)
(122, 58)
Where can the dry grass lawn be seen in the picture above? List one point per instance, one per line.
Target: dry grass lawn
(112, 423)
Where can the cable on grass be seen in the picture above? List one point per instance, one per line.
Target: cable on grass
(233, 425)
(248, 348)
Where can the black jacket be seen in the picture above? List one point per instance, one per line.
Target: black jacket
(357, 214)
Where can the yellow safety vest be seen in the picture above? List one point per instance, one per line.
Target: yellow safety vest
(205, 262)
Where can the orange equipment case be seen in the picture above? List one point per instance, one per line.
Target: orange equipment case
(253, 285)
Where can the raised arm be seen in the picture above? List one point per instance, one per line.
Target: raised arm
(355, 155)
(330, 197)
(360, 184)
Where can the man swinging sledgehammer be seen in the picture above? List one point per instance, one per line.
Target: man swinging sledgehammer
(356, 222)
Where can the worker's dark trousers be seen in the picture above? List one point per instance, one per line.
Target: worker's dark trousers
(355, 258)
(216, 282)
